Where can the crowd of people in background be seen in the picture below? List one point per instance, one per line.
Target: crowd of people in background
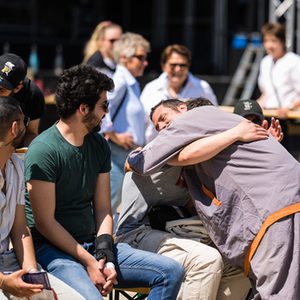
(195, 215)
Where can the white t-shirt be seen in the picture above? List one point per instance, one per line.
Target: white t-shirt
(157, 90)
(280, 81)
(15, 188)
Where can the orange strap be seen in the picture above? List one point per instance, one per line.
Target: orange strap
(267, 223)
(211, 195)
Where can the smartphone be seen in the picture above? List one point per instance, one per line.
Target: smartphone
(38, 278)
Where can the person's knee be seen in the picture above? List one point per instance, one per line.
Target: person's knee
(209, 260)
(175, 271)
(216, 260)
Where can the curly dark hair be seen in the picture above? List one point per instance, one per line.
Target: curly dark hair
(81, 84)
(10, 111)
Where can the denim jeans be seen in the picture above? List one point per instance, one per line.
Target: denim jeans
(9, 263)
(135, 268)
(118, 158)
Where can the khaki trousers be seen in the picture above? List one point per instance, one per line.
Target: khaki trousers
(207, 276)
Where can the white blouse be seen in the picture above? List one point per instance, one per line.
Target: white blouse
(280, 81)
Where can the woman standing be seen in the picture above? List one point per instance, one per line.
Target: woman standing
(98, 51)
(124, 124)
(279, 78)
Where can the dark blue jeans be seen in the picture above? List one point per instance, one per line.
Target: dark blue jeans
(135, 268)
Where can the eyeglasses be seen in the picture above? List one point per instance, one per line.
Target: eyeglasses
(112, 40)
(182, 66)
(105, 105)
(142, 58)
(26, 121)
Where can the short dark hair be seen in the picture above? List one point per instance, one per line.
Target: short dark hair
(173, 103)
(170, 103)
(10, 110)
(276, 29)
(196, 102)
(81, 84)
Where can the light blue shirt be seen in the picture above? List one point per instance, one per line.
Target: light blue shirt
(130, 118)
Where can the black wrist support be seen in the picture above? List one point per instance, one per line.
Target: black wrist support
(104, 245)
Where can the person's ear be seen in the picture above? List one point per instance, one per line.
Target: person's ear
(18, 88)
(83, 109)
(14, 128)
(124, 60)
(182, 107)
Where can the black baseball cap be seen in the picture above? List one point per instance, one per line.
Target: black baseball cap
(13, 70)
(248, 107)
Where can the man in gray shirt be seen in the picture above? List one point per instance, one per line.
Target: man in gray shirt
(206, 275)
(254, 226)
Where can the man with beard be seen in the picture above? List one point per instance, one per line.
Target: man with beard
(31, 99)
(21, 259)
(255, 226)
(67, 173)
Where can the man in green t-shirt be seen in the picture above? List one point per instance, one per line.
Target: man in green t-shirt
(67, 173)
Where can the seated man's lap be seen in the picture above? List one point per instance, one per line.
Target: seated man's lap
(67, 269)
(135, 268)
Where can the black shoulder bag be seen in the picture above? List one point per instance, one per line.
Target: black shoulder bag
(119, 107)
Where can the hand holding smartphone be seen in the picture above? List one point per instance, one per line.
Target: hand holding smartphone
(40, 277)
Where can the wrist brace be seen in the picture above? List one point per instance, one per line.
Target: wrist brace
(104, 245)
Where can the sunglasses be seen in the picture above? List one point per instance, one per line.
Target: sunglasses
(181, 66)
(142, 58)
(105, 105)
(26, 121)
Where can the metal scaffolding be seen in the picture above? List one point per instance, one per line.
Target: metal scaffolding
(285, 10)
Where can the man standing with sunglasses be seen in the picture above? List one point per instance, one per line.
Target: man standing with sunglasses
(176, 82)
(13, 83)
(125, 123)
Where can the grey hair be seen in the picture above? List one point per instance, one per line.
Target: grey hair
(127, 45)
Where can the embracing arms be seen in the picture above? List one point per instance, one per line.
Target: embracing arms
(206, 148)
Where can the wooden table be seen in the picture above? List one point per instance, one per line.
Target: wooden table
(292, 114)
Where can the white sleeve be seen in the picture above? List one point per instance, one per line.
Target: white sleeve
(149, 98)
(208, 92)
(295, 76)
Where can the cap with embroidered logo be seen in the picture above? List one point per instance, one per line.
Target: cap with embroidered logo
(13, 70)
(248, 107)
